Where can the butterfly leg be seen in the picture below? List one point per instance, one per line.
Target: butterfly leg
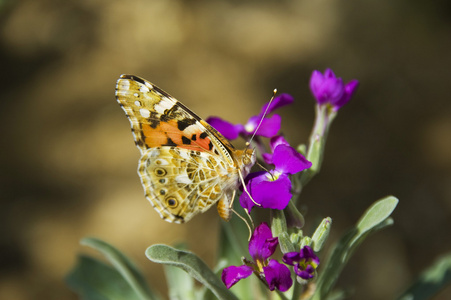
(245, 189)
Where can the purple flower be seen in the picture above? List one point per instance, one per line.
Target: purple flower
(329, 89)
(273, 143)
(278, 276)
(269, 127)
(305, 262)
(261, 246)
(273, 189)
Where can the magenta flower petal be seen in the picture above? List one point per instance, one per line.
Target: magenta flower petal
(227, 129)
(273, 194)
(350, 89)
(269, 127)
(329, 89)
(305, 273)
(269, 194)
(291, 258)
(276, 141)
(305, 262)
(278, 276)
(316, 81)
(326, 88)
(288, 160)
(277, 102)
(267, 157)
(246, 202)
(255, 178)
(273, 143)
(262, 244)
(308, 254)
(328, 73)
(233, 274)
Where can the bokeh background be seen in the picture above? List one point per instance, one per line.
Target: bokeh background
(68, 162)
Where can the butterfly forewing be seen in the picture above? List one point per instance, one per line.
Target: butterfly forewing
(159, 119)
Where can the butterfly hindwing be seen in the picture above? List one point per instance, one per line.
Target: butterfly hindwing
(181, 183)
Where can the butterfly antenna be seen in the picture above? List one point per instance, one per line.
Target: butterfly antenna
(265, 169)
(261, 119)
(262, 166)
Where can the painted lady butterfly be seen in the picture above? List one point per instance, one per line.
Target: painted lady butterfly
(186, 165)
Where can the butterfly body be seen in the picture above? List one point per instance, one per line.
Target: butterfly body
(186, 166)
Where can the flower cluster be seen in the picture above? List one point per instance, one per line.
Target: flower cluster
(305, 262)
(330, 90)
(261, 247)
(273, 189)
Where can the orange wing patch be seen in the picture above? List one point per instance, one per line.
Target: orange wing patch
(167, 134)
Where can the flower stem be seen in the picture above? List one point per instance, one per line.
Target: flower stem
(297, 291)
(324, 117)
(281, 295)
(278, 222)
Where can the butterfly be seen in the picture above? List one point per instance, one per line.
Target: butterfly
(186, 165)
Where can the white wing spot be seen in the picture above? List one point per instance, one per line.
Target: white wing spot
(144, 89)
(153, 152)
(125, 84)
(137, 103)
(184, 155)
(161, 162)
(183, 179)
(135, 95)
(161, 106)
(145, 113)
(192, 129)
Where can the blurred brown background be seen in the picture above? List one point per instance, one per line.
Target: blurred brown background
(68, 162)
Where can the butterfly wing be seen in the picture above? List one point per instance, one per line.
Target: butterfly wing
(158, 119)
(198, 163)
(181, 183)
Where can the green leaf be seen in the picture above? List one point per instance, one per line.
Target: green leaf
(191, 264)
(95, 280)
(321, 233)
(285, 243)
(375, 218)
(431, 281)
(377, 213)
(124, 266)
(315, 156)
(180, 284)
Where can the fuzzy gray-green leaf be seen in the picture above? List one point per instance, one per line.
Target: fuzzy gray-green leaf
(193, 265)
(124, 266)
(431, 281)
(92, 279)
(375, 218)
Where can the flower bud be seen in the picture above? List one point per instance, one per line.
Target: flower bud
(321, 234)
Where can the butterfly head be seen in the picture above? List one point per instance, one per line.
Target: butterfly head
(248, 159)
